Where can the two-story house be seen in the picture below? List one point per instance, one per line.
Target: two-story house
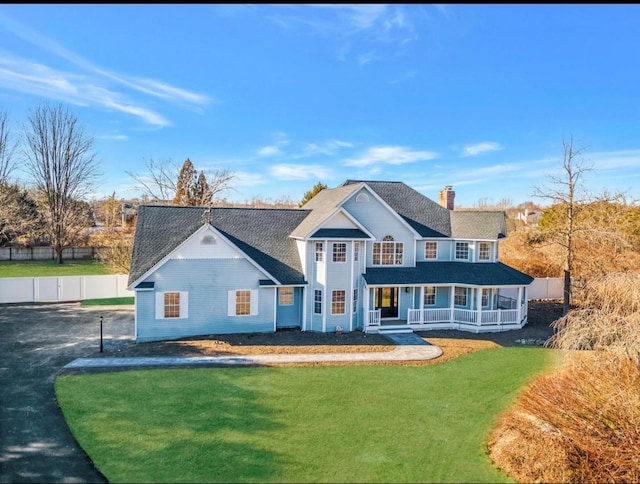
(367, 255)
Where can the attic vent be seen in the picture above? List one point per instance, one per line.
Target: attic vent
(208, 240)
(362, 198)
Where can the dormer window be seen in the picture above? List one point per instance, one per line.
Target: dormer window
(388, 252)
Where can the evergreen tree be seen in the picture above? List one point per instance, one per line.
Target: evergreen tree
(184, 185)
(317, 188)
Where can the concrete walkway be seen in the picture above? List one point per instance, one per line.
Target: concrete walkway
(410, 348)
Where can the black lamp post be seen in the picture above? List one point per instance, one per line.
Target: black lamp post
(101, 346)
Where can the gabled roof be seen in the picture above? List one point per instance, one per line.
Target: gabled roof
(471, 273)
(262, 234)
(427, 217)
(322, 206)
(430, 219)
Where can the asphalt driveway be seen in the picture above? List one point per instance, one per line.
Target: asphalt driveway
(36, 341)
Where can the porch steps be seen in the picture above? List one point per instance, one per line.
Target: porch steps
(389, 330)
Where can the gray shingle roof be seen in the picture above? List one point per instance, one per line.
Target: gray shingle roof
(430, 219)
(263, 234)
(322, 205)
(478, 225)
(474, 273)
(426, 217)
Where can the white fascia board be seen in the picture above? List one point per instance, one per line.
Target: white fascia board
(204, 228)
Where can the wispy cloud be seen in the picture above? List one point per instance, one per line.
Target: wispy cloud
(246, 179)
(281, 140)
(364, 32)
(479, 148)
(300, 172)
(390, 155)
(90, 85)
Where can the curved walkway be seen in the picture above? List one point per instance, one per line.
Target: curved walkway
(404, 352)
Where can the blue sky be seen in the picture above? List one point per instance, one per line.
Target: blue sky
(479, 97)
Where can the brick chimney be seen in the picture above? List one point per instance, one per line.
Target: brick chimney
(446, 197)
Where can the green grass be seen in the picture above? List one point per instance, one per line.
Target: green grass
(110, 301)
(44, 268)
(304, 424)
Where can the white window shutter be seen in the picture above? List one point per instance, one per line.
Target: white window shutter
(254, 302)
(184, 304)
(159, 305)
(231, 303)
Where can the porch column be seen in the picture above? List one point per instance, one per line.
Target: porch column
(452, 295)
(519, 304)
(421, 304)
(479, 306)
(365, 304)
(304, 308)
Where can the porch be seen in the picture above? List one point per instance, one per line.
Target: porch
(475, 321)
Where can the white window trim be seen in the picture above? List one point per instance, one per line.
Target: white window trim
(425, 250)
(319, 254)
(231, 303)
(344, 301)
(184, 305)
(317, 302)
(488, 259)
(334, 253)
(455, 250)
(424, 303)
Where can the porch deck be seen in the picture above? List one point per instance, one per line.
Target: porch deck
(459, 319)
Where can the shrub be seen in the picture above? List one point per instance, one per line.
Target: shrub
(582, 422)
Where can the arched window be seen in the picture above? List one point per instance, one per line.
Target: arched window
(388, 252)
(362, 198)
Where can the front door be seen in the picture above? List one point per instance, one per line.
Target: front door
(387, 301)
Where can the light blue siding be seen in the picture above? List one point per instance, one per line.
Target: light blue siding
(207, 283)
(381, 222)
(290, 316)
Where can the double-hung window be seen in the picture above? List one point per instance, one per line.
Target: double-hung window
(339, 252)
(172, 305)
(356, 251)
(485, 297)
(460, 296)
(319, 251)
(388, 252)
(242, 302)
(338, 302)
(484, 251)
(429, 296)
(317, 301)
(462, 250)
(430, 250)
(355, 300)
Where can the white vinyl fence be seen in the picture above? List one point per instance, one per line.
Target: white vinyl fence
(78, 288)
(546, 288)
(63, 288)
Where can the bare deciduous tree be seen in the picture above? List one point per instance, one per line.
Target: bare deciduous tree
(566, 190)
(7, 148)
(165, 183)
(60, 159)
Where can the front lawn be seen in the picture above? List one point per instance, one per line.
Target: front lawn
(45, 268)
(109, 301)
(301, 424)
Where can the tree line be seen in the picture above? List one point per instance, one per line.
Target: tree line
(57, 154)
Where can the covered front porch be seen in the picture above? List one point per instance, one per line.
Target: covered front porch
(489, 301)
(506, 314)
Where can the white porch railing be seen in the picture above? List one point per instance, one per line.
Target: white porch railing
(374, 317)
(498, 317)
